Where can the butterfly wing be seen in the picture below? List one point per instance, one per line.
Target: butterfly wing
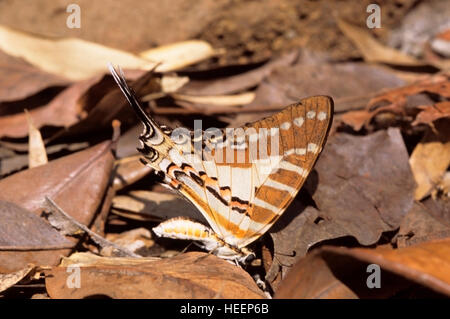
(241, 180)
(302, 132)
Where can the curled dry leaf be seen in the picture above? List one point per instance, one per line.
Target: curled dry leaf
(37, 155)
(397, 100)
(338, 272)
(431, 113)
(350, 190)
(26, 238)
(430, 159)
(191, 275)
(9, 280)
(83, 175)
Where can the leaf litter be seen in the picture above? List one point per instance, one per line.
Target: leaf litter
(379, 192)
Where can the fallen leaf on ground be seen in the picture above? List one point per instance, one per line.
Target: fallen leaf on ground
(26, 238)
(37, 155)
(20, 79)
(191, 275)
(129, 170)
(339, 272)
(63, 111)
(424, 223)
(374, 51)
(10, 279)
(240, 82)
(107, 104)
(430, 159)
(84, 174)
(14, 162)
(156, 206)
(179, 55)
(431, 113)
(350, 191)
(396, 101)
(72, 58)
(135, 240)
(350, 84)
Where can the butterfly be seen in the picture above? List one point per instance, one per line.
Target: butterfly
(241, 180)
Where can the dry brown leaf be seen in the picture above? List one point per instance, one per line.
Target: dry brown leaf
(374, 51)
(191, 275)
(135, 240)
(430, 159)
(397, 100)
(424, 222)
(108, 103)
(77, 181)
(149, 205)
(63, 110)
(129, 170)
(26, 238)
(37, 154)
(350, 84)
(431, 113)
(240, 82)
(350, 191)
(20, 79)
(342, 272)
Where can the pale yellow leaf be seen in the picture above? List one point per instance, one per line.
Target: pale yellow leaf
(429, 162)
(230, 100)
(37, 155)
(72, 58)
(179, 55)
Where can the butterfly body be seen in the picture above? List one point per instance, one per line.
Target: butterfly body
(241, 180)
